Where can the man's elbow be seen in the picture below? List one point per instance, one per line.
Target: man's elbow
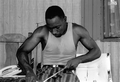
(98, 53)
(19, 53)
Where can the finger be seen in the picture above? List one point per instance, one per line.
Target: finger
(28, 79)
(33, 79)
(68, 65)
(72, 68)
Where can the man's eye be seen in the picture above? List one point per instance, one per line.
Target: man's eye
(50, 29)
(58, 27)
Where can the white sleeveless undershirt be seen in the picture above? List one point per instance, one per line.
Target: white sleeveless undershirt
(59, 50)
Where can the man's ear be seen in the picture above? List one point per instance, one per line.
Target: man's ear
(65, 18)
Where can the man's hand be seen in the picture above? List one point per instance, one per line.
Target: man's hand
(31, 77)
(73, 63)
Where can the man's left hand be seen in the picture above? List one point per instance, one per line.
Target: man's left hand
(73, 63)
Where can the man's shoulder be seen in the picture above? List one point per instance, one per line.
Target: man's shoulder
(76, 25)
(41, 31)
(41, 28)
(79, 28)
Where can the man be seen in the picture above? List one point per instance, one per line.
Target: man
(59, 40)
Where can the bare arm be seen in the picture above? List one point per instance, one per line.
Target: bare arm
(29, 44)
(81, 34)
(94, 51)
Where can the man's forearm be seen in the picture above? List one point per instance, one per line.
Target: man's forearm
(90, 56)
(23, 61)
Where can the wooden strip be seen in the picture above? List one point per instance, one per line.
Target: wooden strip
(32, 16)
(114, 61)
(76, 11)
(1, 17)
(89, 16)
(12, 16)
(83, 13)
(96, 19)
(19, 16)
(2, 55)
(25, 17)
(6, 16)
(68, 10)
(40, 12)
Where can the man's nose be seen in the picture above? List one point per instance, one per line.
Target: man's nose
(55, 31)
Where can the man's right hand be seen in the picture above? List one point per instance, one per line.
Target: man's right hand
(31, 77)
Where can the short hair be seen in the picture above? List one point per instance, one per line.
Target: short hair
(53, 11)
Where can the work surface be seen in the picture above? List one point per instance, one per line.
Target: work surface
(12, 79)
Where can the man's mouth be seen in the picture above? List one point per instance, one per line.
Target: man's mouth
(57, 35)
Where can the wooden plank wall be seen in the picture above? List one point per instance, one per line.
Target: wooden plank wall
(90, 17)
(21, 16)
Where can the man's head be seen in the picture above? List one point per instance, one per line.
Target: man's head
(55, 20)
(54, 11)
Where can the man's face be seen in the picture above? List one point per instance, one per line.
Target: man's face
(56, 26)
